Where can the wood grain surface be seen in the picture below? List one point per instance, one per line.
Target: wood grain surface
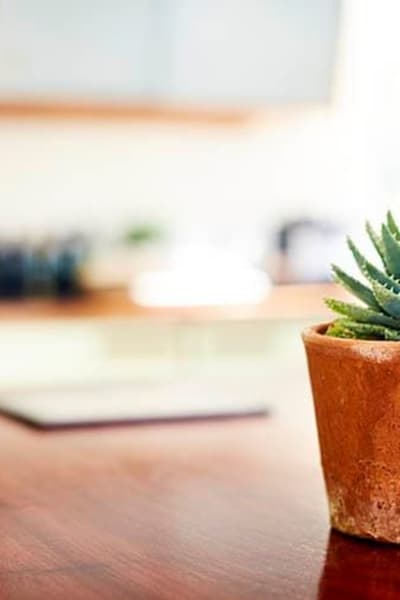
(227, 510)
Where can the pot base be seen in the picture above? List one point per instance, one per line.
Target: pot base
(372, 525)
(369, 537)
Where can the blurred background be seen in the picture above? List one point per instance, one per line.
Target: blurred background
(167, 154)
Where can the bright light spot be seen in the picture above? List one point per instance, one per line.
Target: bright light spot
(201, 275)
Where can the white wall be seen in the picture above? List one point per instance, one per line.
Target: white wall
(98, 175)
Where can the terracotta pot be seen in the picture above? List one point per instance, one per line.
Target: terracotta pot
(356, 390)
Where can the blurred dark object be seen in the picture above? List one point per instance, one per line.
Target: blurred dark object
(70, 255)
(13, 262)
(47, 269)
(304, 249)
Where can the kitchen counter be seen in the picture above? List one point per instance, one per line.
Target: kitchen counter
(283, 302)
(216, 510)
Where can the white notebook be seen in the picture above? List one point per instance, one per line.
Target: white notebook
(135, 402)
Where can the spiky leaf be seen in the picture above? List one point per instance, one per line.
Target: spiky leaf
(354, 286)
(371, 272)
(338, 329)
(387, 299)
(352, 329)
(379, 316)
(391, 250)
(361, 314)
(392, 225)
(376, 241)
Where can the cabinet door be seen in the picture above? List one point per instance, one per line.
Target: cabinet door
(200, 52)
(77, 50)
(252, 52)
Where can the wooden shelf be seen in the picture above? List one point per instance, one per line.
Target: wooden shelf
(123, 112)
(284, 302)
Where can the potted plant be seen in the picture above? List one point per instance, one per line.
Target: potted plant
(113, 263)
(354, 367)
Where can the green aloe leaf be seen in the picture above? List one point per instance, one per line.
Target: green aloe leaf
(391, 335)
(361, 314)
(354, 286)
(376, 241)
(339, 329)
(349, 328)
(392, 226)
(391, 249)
(378, 318)
(370, 271)
(387, 299)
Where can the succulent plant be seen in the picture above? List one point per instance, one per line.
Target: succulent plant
(378, 317)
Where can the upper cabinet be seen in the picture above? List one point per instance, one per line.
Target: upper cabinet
(253, 52)
(214, 53)
(89, 50)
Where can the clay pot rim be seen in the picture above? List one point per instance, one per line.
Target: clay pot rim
(315, 334)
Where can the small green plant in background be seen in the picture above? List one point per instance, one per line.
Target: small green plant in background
(143, 233)
(378, 317)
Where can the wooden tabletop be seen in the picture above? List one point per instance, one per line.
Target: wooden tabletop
(216, 510)
(284, 301)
